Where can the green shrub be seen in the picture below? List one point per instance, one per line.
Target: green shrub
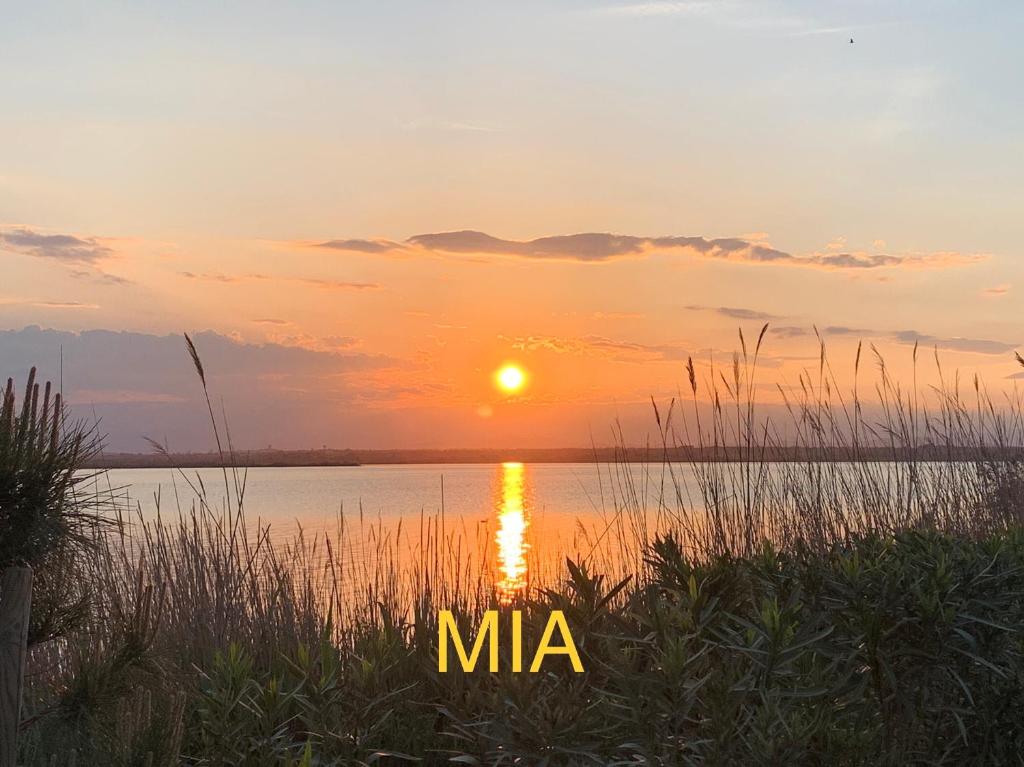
(904, 649)
(40, 453)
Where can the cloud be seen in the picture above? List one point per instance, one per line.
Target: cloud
(332, 284)
(972, 345)
(65, 305)
(48, 304)
(61, 247)
(842, 330)
(211, 277)
(735, 313)
(315, 343)
(955, 344)
(789, 331)
(605, 246)
(856, 261)
(996, 292)
(141, 384)
(625, 350)
(96, 275)
(796, 331)
(599, 346)
(314, 281)
(685, 8)
(359, 246)
(124, 396)
(341, 342)
(583, 247)
(760, 17)
(106, 354)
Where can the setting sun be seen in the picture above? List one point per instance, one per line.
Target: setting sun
(510, 378)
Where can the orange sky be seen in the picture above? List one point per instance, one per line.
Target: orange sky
(401, 345)
(364, 211)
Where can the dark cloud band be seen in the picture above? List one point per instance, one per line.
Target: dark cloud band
(603, 246)
(63, 247)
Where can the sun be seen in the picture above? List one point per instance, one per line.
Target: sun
(510, 378)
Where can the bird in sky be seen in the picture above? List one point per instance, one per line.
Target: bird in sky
(851, 41)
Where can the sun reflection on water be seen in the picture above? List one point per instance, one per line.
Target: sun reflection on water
(511, 536)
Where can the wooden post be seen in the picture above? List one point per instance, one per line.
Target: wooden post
(15, 606)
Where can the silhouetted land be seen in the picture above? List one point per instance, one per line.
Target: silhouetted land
(356, 457)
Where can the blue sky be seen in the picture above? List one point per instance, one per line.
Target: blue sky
(660, 116)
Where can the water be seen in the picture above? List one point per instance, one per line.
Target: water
(518, 514)
(516, 521)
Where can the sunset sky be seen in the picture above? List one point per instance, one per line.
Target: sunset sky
(362, 210)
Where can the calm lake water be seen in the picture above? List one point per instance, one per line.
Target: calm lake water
(512, 521)
(517, 512)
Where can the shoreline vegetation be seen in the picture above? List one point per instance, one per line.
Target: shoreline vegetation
(271, 458)
(858, 612)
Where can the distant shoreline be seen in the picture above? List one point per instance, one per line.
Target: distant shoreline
(355, 457)
(265, 458)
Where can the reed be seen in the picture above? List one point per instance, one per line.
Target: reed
(846, 587)
(839, 466)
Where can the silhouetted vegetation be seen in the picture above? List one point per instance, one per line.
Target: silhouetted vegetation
(49, 516)
(40, 453)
